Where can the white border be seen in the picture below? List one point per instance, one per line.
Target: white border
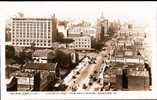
(114, 95)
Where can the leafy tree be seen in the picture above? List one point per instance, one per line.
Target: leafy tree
(51, 56)
(97, 45)
(60, 37)
(62, 58)
(67, 41)
(21, 58)
(10, 52)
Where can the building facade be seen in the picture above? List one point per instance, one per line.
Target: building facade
(81, 30)
(41, 31)
(102, 28)
(81, 43)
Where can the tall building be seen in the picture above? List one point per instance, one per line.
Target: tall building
(102, 28)
(41, 31)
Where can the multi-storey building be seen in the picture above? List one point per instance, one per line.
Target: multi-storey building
(81, 31)
(41, 31)
(81, 36)
(102, 28)
(83, 42)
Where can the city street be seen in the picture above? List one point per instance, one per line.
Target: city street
(84, 75)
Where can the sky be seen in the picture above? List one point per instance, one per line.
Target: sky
(140, 12)
(143, 13)
(134, 11)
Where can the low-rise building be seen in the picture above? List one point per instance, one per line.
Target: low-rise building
(40, 56)
(81, 43)
(78, 31)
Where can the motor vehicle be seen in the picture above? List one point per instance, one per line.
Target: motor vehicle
(90, 83)
(98, 80)
(77, 72)
(84, 86)
(94, 78)
(94, 62)
(95, 72)
(91, 76)
(74, 77)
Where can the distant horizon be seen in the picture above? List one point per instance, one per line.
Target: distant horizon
(81, 10)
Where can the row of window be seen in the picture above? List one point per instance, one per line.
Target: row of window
(84, 31)
(28, 44)
(32, 36)
(32, 33)
(41, 31)
(26, 40)
(35, 24)
(82, 39)
(82, 42)
(32, 27)
(82, 46)
(20, 36)
(31, 22)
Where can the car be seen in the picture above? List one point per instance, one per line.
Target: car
(90, 83)
(94, 62)
(84, 86)
(94, 78)
(91, 76)
(98, 80)
(77, 72)
(95, 72)
(74, 77)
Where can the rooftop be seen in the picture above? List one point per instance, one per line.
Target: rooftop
(40, 66)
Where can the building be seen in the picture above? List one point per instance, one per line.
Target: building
(128, 76)
(77, 31)
(12, 84)
(81, 43)
(40, 56)
(40, 73)
(72, 56)
(41, 31)
(102, 28)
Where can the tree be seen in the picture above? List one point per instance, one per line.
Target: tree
(21, 58)
(51, 56)
(60, 37)
(62, 58)
(10, 55)
(67, 41)
(97, 45)
(10, 52)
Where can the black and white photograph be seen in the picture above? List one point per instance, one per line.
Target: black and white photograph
(76, 48)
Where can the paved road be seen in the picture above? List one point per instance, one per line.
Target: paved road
(83, 77)
(85, 74)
